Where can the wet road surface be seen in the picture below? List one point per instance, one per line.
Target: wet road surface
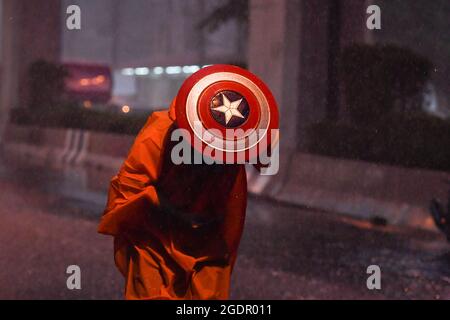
(286, 252)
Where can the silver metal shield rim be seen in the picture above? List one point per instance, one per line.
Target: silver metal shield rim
(192, 115)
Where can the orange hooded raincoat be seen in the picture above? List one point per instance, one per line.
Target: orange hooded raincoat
(176, 228)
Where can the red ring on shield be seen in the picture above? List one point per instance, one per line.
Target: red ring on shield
(240, 81)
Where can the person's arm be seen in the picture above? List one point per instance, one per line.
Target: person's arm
(131, 215)
(132, 194)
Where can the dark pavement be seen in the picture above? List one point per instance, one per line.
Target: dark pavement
(286, 252)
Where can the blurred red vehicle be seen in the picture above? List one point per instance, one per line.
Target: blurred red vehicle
(88, 82)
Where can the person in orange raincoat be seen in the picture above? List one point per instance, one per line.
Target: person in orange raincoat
(176, 228)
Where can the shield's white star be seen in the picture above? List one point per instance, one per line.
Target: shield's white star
(229, 108)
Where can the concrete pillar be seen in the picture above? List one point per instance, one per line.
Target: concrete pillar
(314, 59)
(327, 27)
(353, 22)
(273, 55)
(288, 48)
(31, 30)
(39, 37)
(294, 46)
(353, 30)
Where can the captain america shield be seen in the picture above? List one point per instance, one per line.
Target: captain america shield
(227, 110)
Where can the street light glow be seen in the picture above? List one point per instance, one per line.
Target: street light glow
(173, 70)
(126, 109)
(170, 70)
(142, 71)
(190, 69)
(158, 70)
(128, 72)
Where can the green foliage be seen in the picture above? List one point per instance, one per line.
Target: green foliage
(380, 79)
(232, 9)
(46, 83)
(47, 106)
(73, 116)
(416, 141)
(382, 88)
(419, 24)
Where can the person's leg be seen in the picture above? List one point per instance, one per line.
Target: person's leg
(143, 279)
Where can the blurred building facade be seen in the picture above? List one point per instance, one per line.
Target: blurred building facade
(151, 46)
(141, 40)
